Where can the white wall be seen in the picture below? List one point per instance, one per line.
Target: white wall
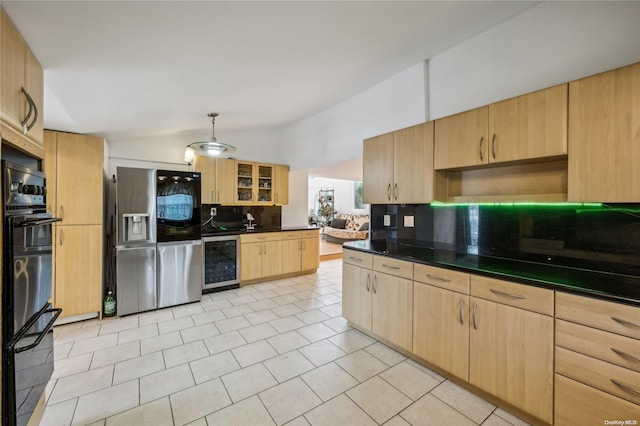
(295, 213)
(343, 194)
(549, 44)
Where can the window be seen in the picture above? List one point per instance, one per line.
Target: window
(358, 200)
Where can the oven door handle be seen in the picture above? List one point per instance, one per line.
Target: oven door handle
(44, 332)
(37, 222)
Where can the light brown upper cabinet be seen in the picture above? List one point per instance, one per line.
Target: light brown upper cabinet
(604, 137)
(218, 176)
(22, 82)
(398, 166)
(525, 127)
(281, 184)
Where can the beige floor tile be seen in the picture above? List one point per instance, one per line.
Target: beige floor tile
(198, 332)
(232, 324)
(237, 310)
(165, 382)
(339, 324)
(59, 414)
(160, 342)
(200, 422)
(516, 421)
(208, 317)
(379, 399)
(258, 332)
(155, 317)
(185, 353)
(288, 366)
(469, 404)
(287, 323)
(107, 402)
(261, 316)
(329, 380)
(137, 333)
(334, 310)
(241, 300)
(254, 352)
(93, 344)
(114, 325)
(385, 354)
(313, 316)
(74, 332)
(242, 291)
(289, 400)
(397, 421)
(98, 423)
(286, 310)
(430, 411)
(298, 421)
(187, 310)
(286, 342)
(263, 295)
(248, 381)
(156, 413)
(68, 366)
(315, 332)
(115, 354)
(214, 366)
(322, 352)
(286, 291)
(224, 342)
(361, 365)
(495, 420)
(62, 350)
(351, 341)
(215, 305)
(198, 401)
(339, 411)
(138, 367)
(175, 325)
(410, 380)
(329, 299)
(286, 299)
(81, 384)
(250, 412)
(426, 370)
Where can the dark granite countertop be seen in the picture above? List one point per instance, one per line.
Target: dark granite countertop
(602, 285)
(221, 231)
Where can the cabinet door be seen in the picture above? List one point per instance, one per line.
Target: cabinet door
(265, 180)
(604, 123)
(246, 182)
(206, 166)
(80, 171)
(250, 261)
(413, 164)
(529, 126)
(281, 184)
(461, 140)
(271, 258)
(51, 169)
(377, 171)
(511, 356)
(441, 328)
(392, 317)
(310, 253)
(356, 295)
(291, 256)
(225, 181)
(78, 269)
(13, 62)
(34, 84)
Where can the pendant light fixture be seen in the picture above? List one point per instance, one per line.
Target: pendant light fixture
(213, 148)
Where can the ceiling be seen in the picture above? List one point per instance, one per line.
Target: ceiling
(135, 69)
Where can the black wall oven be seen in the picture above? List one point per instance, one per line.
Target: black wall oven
(27, 315)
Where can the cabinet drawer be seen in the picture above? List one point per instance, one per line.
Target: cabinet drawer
(312, 233)
(395, 267)
(610, 347)
(519, 295)
(291, 235)
(357, 258)
(260, 238)
(579, 404)
(443, 278)
(599, 374)
(610, 316)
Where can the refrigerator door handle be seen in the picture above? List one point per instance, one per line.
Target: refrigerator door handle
(181, 243)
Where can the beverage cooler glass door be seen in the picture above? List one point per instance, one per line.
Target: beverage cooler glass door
(178, 205)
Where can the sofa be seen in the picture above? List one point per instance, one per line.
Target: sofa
(347, 227)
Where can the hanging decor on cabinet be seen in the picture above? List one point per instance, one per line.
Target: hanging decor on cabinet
(212, 148)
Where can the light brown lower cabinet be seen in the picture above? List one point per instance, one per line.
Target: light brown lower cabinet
(357, 295)
(260, 259)
(300, 251)
(78, 283)
(392, 311)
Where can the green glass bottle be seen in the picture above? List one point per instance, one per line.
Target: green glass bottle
(109, 305)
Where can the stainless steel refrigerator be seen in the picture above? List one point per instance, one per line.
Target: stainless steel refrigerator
(158, 249)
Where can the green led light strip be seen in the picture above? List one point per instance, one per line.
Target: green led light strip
(516, 204)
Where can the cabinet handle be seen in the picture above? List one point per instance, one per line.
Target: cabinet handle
(356, 259)
(61, 237)
(304, 245)
(460, 311)
(475, 309)
(502, 293)
(493, 146)
(626, 355)
(260, 250)
(23, 123)
(389, 192)
(375, 281)
(366, 283)
(625, 322)
(480, 150)
(395, 191)
(625, 386)
(218, 195)
(276, 198)
(61, 213)
(397, 268)
(436, 278)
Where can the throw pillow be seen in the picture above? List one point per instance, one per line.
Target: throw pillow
(364, 227)
(338, 223)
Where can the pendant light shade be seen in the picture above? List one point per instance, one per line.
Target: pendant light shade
(212, 148)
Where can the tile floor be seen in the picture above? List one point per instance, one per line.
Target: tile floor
(272, 353)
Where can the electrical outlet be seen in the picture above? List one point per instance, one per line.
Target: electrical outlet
(408, 221)
(387, 220)
(214, 211)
